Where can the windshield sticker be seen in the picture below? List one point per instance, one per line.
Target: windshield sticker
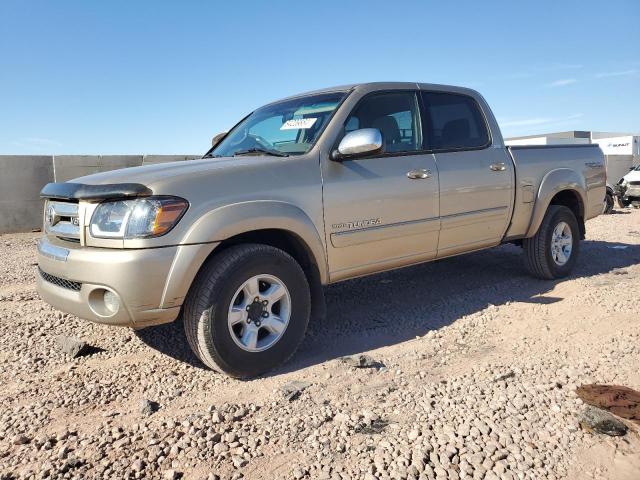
(298, 123)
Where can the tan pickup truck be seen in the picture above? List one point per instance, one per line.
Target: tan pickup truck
(303, 192)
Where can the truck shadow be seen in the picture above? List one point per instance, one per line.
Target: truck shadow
(388, 308)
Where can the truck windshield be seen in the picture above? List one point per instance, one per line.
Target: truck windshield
(290, 127)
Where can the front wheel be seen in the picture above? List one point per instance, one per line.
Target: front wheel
(624, 203)
(608, 204)
(247, 310)
(552, 252)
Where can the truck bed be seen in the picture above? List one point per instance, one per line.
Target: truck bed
(535, 162)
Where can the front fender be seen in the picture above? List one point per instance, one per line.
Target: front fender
(230, 220)
(552, 183)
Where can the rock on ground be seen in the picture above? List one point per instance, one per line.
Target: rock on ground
(72, 346)
(597, 420)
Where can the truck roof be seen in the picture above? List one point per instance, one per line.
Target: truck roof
(383, 86)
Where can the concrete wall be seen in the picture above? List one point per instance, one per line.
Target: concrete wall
(151, 159)
(21, 179)
(67, 167)
(23, 176)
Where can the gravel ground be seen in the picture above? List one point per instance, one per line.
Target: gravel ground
(474, 373)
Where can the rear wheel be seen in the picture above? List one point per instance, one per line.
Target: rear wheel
(553, 250)
(248, 310)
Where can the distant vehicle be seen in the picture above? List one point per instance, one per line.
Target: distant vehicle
(628, 189)
(304, 192)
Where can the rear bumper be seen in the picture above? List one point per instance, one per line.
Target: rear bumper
(75, 280)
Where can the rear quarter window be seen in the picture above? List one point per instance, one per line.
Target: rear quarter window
(453, 122)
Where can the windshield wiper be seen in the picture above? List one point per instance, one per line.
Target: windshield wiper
(249, 151)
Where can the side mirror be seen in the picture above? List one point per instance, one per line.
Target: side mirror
(216, 140)
(358, 143)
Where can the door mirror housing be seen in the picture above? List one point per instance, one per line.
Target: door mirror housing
(216, 139)
(359, 143)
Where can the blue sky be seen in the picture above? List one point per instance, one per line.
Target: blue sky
(139, 76)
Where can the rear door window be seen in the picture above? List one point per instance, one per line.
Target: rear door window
(453, 122)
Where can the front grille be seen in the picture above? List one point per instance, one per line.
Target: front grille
(634, 183)
(60, 282)
(61, 219)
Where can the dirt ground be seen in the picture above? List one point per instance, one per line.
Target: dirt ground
(474, 376)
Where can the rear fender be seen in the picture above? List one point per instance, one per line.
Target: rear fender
(553, 183)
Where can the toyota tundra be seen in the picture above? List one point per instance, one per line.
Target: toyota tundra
(301, 193)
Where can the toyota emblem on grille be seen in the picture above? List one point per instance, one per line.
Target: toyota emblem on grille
(50, 215)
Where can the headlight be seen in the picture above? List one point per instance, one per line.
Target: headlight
(137, 218)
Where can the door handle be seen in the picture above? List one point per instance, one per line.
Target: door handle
(498, 167)
(419, 174)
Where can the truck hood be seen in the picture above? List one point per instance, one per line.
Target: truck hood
(150, 175)
(633, 176)
(206, 184)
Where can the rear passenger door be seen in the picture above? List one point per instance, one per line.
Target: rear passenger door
(476, 180)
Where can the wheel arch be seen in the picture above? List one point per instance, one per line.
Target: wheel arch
(560, 187)
(278, 224)
(275, 223)
(284, 240)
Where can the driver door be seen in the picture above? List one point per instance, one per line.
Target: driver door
(381, 211)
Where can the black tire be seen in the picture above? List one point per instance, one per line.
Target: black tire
(206, 309)
(608, 205)
(623, 203)
(537, 250)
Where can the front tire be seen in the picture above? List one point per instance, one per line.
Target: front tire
(247, 310)
(552, 252)
(608, 204)
(623, 203)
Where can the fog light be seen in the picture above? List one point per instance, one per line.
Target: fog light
(111, 301)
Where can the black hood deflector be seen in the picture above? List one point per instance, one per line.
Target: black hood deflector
(80, 191)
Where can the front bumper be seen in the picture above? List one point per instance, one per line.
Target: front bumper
(627, 190)
(633, 191)
(74, 278)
